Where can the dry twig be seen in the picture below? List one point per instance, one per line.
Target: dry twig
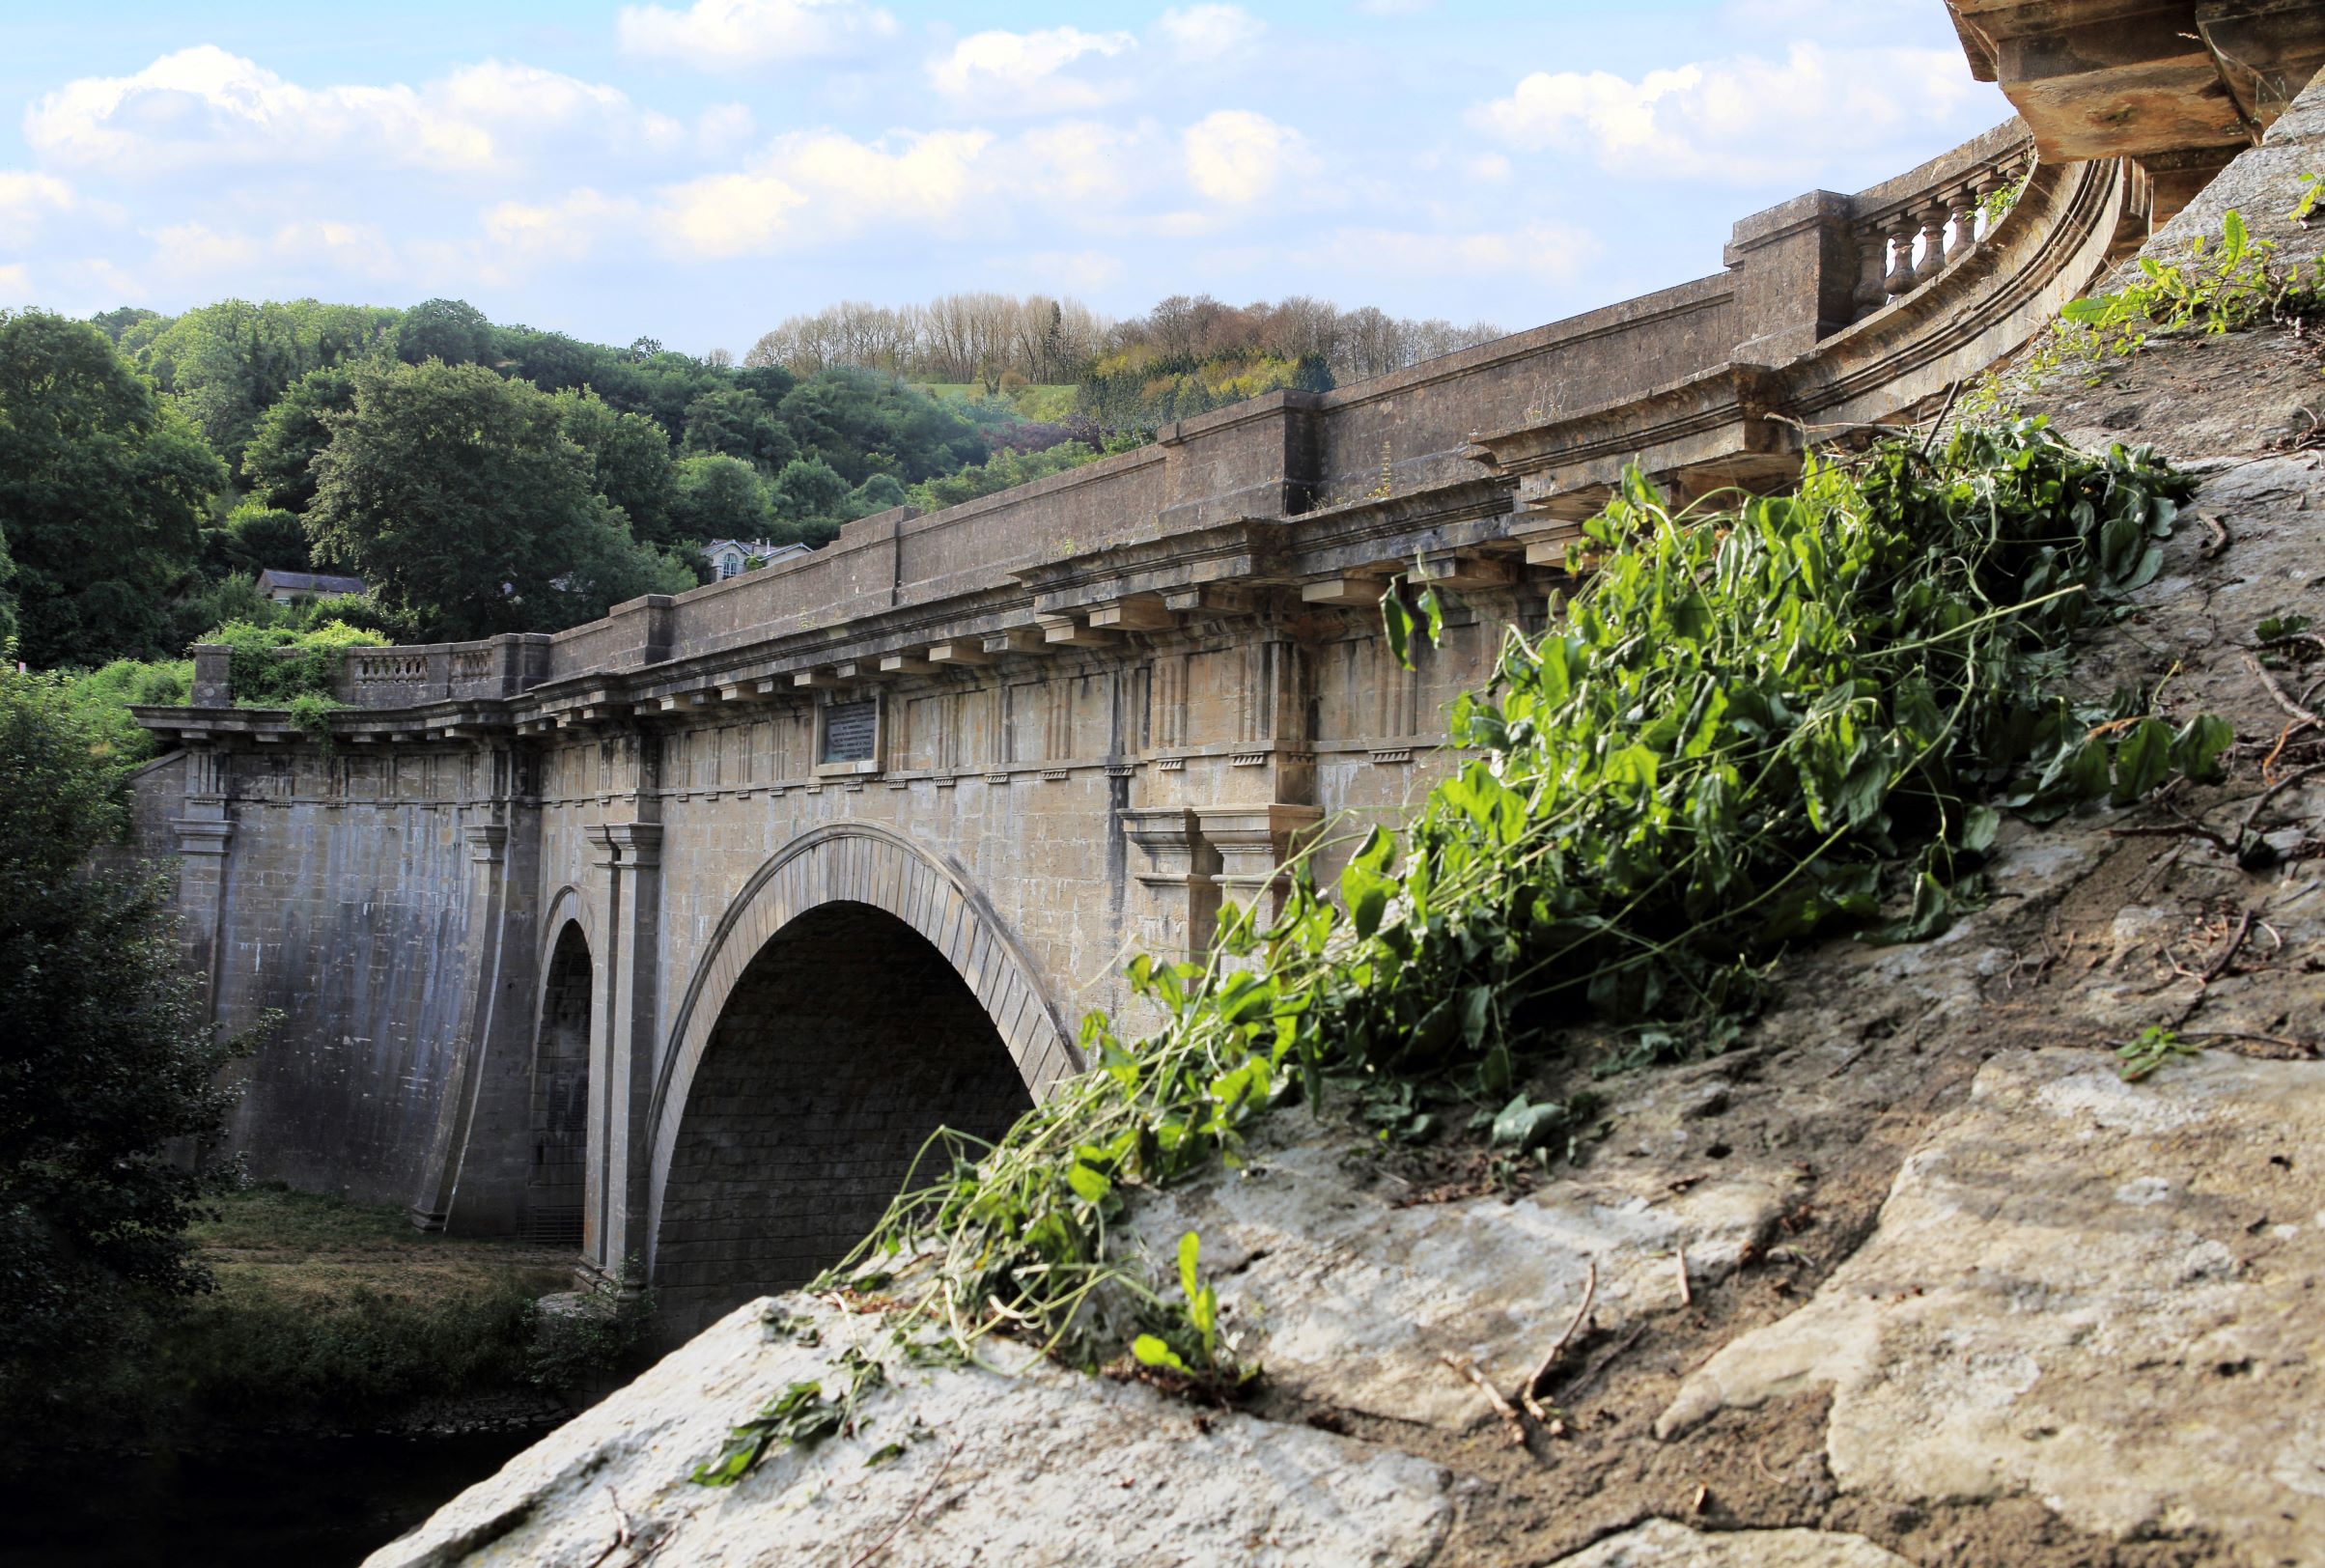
(1529, 1392)
(2272, 792)
(2283, 699)
(2219, 541)
(2227, 954)
(1510, 1419)
(1687, 1296)
(1598, 1368)
(623, 1535)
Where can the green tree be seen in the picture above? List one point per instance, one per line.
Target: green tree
(103, 491)
(809, 488)
(999, 472)
(452, 330)
(226, 364)
(262, 537)
(734, 423)
(629, 460)
(878, 494)
(458, 496)
(551, 360)
(104, 1056)
(114, 323)
(290, 433)
(861, 424)
(718, 497)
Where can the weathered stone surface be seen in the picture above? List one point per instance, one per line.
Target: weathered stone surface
(2097, 1292)
(1349, 1301)
(1659, 1543)
(1035, 1466)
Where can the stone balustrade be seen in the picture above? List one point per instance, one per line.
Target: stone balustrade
(1908, 230)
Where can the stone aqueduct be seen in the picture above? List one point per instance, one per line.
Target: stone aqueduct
(675, 934)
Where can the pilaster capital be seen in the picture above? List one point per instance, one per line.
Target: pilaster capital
(202, 835)
(487, 840)
(1252, 842)
(1172, 838)
(638, 844)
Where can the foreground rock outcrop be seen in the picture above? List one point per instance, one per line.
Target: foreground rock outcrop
(1909, 1276)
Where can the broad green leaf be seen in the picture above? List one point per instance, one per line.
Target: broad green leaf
(2197, 748)
(2142, 761)
(1152, 1352)
(1089, 1185)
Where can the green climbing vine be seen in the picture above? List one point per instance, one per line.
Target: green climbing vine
(1753, 725)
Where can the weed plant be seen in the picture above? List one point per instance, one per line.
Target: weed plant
(1756, 724)
(2228, 282)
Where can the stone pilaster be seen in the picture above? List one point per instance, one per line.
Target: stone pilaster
(203, 836)
(622, 1043)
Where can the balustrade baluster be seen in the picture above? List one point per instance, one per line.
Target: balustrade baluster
(1933, 242)
(1898, 229)
(1962, 205)
(1872, 253)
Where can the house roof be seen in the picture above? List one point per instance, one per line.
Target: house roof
(757, 548)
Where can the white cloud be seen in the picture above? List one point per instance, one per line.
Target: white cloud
(1028, 72)
(1210, 31)
(1086, 163)
(1237, 156)
(820, 187)
(733, 35)
(1743, 119)
(26, 197)
(15, 282)
(192, 251)
(205, 106)
(1062, 271)
(525, 234)
(722, 216)
(724, 126)
(1550, 251)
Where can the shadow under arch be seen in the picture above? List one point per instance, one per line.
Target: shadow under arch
(848, 928)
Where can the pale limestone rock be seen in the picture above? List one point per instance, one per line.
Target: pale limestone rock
(2074, 1293)
(1352, 1301)
(1050, 1466)
(1659, 1543)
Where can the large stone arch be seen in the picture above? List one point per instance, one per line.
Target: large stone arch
(866, 866)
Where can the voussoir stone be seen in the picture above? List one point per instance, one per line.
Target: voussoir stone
(2097, 1293)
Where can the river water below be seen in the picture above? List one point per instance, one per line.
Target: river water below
(313, 1502)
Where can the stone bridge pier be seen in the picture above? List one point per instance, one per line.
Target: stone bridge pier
(673, 937)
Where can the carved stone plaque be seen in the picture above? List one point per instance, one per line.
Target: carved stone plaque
(851, 731)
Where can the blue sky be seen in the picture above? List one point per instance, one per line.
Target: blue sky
(697, 170)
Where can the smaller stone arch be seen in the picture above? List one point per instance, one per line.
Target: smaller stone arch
(859, 863)
(557, 1086)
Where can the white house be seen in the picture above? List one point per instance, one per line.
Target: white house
(732, 557)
